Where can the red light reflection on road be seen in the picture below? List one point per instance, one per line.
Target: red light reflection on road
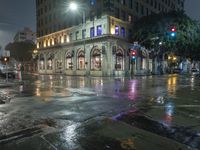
(169, 111)
(132, 93)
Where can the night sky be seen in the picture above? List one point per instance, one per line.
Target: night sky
(17, 14)
(14, 16)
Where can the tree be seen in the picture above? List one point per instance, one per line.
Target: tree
(186, 43)
(21, 51)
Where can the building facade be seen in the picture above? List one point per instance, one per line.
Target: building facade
(97, 44)
(25, 35)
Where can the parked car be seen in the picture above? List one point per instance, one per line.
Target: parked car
(194, 71)
(177, 70)
(7, 70)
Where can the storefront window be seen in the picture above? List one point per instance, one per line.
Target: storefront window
(68, 61)
(50, 62)
(81, 60)
(96, 60)
(119, 64)
(41, 64)
(59, 64)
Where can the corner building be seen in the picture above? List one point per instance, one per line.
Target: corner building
(95, 40)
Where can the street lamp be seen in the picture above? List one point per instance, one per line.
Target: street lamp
(34, 54)
(74, 7)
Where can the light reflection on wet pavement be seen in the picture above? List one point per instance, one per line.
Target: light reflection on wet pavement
(67, 103)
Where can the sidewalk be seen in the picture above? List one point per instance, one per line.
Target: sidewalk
(95, 134)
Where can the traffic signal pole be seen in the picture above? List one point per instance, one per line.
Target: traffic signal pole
(4, 57)
(133, 55)
(132, 68)
(6, 72)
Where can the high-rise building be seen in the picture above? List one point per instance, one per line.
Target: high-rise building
(25, 35)
(94, 39)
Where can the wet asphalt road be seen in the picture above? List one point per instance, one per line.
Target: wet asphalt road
(64, 112)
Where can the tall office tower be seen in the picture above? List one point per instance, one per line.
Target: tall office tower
(93, 39)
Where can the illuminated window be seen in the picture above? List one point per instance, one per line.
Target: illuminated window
(96, 60)
(58, 64)
(68, 61)
(119, 64)
(41, 64)
(81, 60)
(50, 62)
(116, 30)
(99, 30)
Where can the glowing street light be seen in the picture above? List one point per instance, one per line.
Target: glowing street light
(76, 7)
(174, 58)
(73, 6)
(35, 51)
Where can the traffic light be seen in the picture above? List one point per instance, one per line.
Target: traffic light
(133, 55)
(172, 31)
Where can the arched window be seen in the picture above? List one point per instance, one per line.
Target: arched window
(50, 61)
(81, 60)
(119, 62)
(68, 61)
(58, 64)
(41, 62)
(96, 59)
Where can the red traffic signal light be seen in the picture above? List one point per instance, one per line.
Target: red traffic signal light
(133, 54)
(173, 29)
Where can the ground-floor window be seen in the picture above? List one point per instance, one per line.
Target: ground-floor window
(50, 62)
(119, 64)
(41, 62)
(58, 64)
(68, 61)
(81, 60)
(42, 65)
(96, 60)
